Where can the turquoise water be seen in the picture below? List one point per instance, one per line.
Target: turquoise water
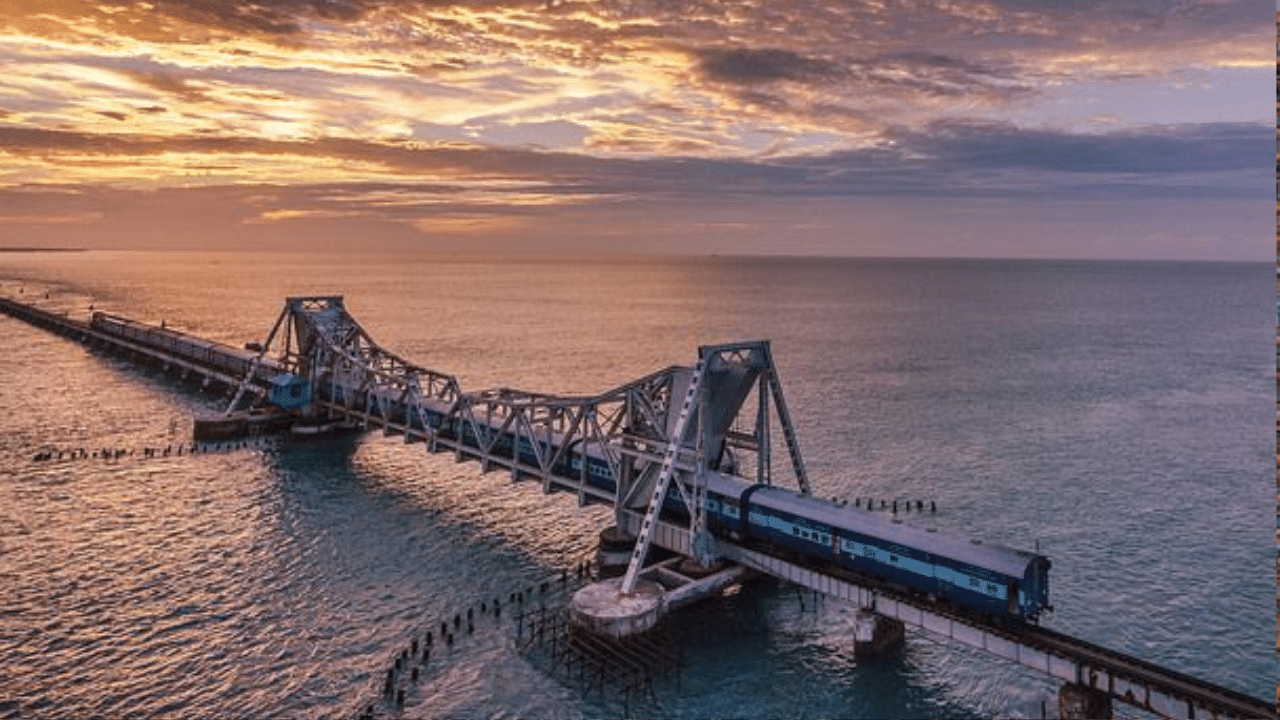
(1117, 414)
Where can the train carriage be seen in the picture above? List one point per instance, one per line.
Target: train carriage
(984, 577)
(225, 358)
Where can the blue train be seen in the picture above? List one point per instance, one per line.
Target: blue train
(986, 578)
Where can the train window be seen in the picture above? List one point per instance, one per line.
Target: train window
(893, 558)
(795, 530)
(973, 582)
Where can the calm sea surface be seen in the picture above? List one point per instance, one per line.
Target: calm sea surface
(1117, 414)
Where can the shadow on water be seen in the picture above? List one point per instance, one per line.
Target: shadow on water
(323, 493)
(363, 561)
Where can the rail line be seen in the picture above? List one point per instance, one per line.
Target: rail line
(1121, 677)
(1087, 655)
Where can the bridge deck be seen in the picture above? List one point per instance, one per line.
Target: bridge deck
(83, 332)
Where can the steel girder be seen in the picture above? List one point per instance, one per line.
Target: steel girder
(630, 428)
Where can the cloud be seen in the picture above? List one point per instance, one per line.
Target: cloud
(586, 101)
(473, 116)
(51, 219)
(166, 83)
(1180, 149)
(951, 158)
(299, 214)
(737, 79)
(276, 17)
(748, 66)
(939, 75)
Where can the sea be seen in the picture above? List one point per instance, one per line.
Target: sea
(1116, 416)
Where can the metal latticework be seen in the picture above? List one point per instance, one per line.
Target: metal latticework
(621, 447)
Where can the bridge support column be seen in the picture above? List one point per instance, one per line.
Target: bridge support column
(1081, 702)
(614, 551)
(876, 635)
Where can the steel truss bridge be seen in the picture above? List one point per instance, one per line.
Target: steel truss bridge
(624, 447)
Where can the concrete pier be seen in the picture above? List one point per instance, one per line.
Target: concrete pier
(1081, 702)
(614, 551)
(602, 609)
(876, 635)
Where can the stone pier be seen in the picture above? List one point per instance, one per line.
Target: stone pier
(875, 635)
(614, 551)
(1081, 702)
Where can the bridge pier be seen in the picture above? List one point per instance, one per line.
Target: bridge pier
(603, 609)
(614, 551)
(875, 635)
(1081, 702)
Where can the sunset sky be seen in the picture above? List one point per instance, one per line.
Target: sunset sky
(1063, 128)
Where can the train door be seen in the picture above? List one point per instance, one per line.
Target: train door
(1012, 605)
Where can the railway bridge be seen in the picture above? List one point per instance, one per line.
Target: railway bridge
(636, 447)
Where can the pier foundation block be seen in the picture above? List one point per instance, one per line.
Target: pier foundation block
(602, 609)
(876, 635)
(1080, 702)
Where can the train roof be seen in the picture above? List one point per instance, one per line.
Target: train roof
(992, 556)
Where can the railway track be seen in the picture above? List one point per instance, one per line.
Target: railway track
(1098, 667)
(1115, 664)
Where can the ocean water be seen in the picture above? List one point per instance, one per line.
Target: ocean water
(1117, 415)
